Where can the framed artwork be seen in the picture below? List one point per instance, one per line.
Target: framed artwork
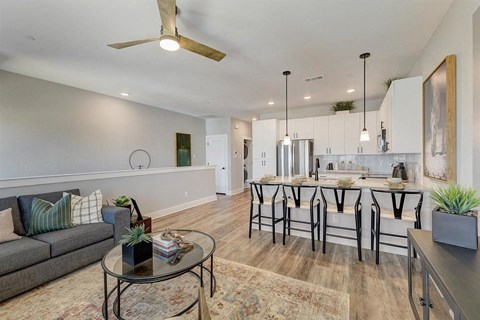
(439, 122)
(183, 149)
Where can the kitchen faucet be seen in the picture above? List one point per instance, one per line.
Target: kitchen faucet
(317, 166)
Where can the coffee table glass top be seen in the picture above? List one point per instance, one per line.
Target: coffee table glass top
(159, 268)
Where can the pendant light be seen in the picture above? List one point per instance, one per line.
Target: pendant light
(286, 140)
(364, 136)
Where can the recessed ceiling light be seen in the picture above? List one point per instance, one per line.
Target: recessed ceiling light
(271, 103)
(254, 119)
(307, 97)
(350, 90)
(125, 94)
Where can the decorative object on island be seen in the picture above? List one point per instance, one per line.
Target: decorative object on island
(136, 245)
(139, 159)
(342, 106)
(387, 83)
(454, 220)
(364, 136)
(439, 118)
(183, 148)
(286, 139)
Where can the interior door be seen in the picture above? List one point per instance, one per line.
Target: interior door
(217, 156)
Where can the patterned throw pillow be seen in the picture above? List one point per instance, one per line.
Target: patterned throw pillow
(48, 217)
(87, 209)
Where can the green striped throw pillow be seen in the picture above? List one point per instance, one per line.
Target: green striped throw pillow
(48, 217)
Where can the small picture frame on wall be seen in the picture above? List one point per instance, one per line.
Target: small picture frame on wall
(183, 149)
(439, 122)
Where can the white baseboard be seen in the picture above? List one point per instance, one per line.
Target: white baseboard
(236, 191)
(180, 207)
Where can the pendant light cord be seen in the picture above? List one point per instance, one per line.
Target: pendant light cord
(286, 104)
(364, 91)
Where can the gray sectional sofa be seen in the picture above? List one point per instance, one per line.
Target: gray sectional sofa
(32, 261)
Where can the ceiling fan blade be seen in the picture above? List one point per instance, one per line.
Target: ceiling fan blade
(122, 45)
(200, 49)
(168, 15)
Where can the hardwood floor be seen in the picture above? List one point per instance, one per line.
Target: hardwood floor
(376, 292)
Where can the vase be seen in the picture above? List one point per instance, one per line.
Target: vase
(342, 112)
(137, 253)
(455, 229)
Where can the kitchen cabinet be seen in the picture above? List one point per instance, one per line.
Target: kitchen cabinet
(298, 129)
(329, 135)
(443, 283)
(264, 147)
(372, 124)
(352, 133)
(320, 142)
(401, 114)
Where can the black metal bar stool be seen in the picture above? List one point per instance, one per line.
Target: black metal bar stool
(395, 212)
(293, 195)
(344, 206)
(264, 195)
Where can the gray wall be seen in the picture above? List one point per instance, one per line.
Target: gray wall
(47, 128)
(476, 98)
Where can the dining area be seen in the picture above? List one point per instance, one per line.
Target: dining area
(369, 214)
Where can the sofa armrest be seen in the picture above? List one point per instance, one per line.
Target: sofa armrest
(119, 217)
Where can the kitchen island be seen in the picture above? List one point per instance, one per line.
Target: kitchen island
(346, 220)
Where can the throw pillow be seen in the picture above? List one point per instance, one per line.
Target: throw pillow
(87, 209)
(6, 226)
(48, 217)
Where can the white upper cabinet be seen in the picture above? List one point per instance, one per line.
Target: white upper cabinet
(401, 113)
(320, 142)
(352, 133)
(372, 124)
(336, 134)
(297, 129)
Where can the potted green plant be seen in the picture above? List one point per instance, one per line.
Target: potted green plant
(123, 201)
(343, 106)
(136, 245)
(454, 220)
(387, 83)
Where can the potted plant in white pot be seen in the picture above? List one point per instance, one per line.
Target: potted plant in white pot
(342, 106)
(454, 220)
(136, 245)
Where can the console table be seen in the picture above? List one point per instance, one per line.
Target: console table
(444, 282)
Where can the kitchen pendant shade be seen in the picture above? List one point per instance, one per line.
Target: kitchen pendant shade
(286, 140)
(364, 136)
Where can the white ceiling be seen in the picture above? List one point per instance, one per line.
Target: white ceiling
(261, 38)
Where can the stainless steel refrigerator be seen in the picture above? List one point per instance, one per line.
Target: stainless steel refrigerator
(295, 159)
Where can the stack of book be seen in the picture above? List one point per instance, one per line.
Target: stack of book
(164, 249)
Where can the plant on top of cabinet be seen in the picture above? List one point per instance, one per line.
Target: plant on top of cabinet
(387, 83)
(343, 106)
(454, 220)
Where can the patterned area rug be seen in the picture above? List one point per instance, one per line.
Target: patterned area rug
(243, 292)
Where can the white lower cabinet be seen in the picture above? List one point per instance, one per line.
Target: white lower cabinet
(264, 166)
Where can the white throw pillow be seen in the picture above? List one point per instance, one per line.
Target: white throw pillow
(6, 226)
(87, 209)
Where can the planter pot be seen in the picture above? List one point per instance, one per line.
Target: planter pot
(342, 112)
(454, 229)
(137, 253)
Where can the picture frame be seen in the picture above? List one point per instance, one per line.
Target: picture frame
(439, 122)
(183, 149)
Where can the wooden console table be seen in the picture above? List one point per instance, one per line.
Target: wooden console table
(444, 283)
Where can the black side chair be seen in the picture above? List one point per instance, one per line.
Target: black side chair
(264, 195)
(340, 206)
(292, 195)
(396, 212)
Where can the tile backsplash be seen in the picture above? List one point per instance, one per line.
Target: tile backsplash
(377, 163)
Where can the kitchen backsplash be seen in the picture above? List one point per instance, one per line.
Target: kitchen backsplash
(380, 163)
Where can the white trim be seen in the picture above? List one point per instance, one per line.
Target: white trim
(236, 191)
(180, 207)
(61, 178)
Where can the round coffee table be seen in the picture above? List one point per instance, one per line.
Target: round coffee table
(157, 269)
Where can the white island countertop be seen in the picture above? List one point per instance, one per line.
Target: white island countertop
(359, 183)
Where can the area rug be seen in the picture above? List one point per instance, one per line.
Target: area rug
(242, 292)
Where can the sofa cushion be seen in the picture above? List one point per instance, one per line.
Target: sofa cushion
(67, 240)
(11, 202)
(25, 203)
(21, 253)
(48, 217)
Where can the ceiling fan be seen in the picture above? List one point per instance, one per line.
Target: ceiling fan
(169, 38)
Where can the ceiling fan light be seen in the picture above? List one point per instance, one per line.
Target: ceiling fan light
(364, 136)
(169, 43)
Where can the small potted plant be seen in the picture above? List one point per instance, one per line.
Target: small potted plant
(123, 201)
(346, 106)
(387, 83)
(136, 245)
(454, 220)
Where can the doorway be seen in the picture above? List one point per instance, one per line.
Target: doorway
(247, 161)
(216, 155)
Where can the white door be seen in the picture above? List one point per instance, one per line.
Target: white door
(304, 128)
(352, 133)
(336, 134)
(217, 156)
(320, 131)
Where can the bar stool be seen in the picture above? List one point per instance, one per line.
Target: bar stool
(395, 213)
(346, 207)
(293, 195)
(264, 195)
